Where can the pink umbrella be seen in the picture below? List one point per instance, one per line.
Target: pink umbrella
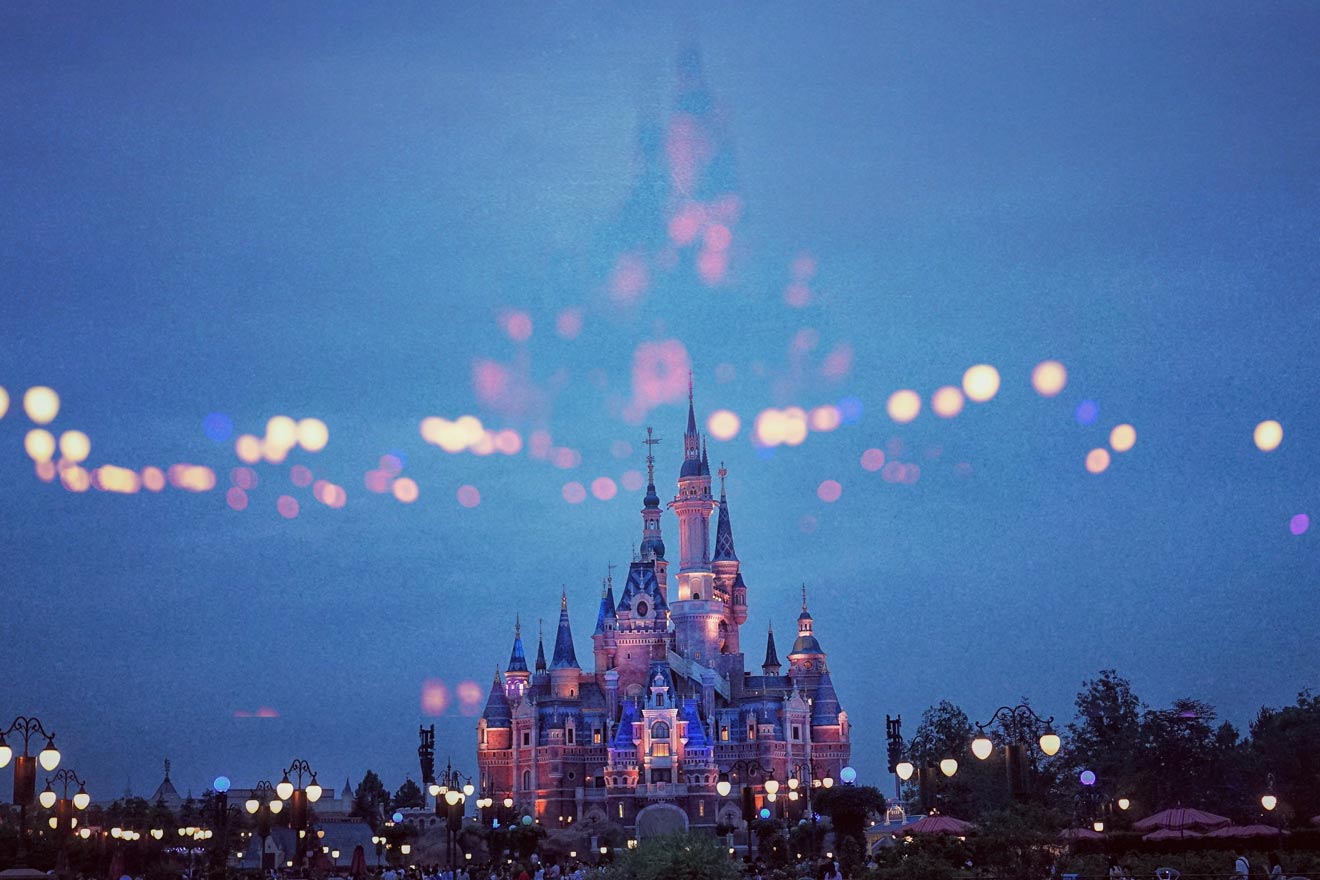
(1232, 831)
(1171, 834)
(938, 825)
(1181, 818)
(1080, 834)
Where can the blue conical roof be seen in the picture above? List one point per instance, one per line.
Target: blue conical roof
(696, 732)
(771, 655)
(497, 712)
(724, 532)
(825, 707)
(623, 737)
(606, 611)
(540, 654)
(564, 657)
(517, 659)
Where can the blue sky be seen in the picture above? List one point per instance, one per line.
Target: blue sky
(328, 212)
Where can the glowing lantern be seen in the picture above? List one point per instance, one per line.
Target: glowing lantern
(904, 769)
(982, 747)
(948, 766)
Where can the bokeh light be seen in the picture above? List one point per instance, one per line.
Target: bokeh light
(1087, 412)
(1122, 438)
(1049, 378)
(218, 427)
(111, 478)
(40, 444)
(659, 373)
(41, 404)
(518, 325)
(300, 475)
(568, 324)
(468, 496)
(236, 498)
(980, 383)
(1097, 460)
(153, 479)
(313, 435)
(281, 435)
(75, 478)
(1268, 435)
(4, 401)
(903, 406)
(405, 489)
(604, 488)
(1299, 524)
(377, 481)
(873, 459)
(724, 424)
(829, 491)
(45, 470)
(191, 477)
(435, 697)
(248, 449)
(244, 478)
(947, 401)
(75, 446)
(632, 481)
(470, 697)
(826, 418)
(574, 492)
(287, 505)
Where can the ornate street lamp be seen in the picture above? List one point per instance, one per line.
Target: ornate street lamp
(1016, 720)
(746, 795)
(25, 769)
(299, 797)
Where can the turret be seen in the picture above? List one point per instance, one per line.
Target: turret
(604, 640)
(693, 506)
(495, 729)
(771, 666)
(565, 674)
(728, 573)
(517, 677)
(541, 676)
(653, 544)
(807, 659)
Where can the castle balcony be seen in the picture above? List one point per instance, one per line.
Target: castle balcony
(659, 791)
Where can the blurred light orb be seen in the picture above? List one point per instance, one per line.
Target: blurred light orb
(603, 488)
(518, 325)
(435, 700)
(300, 475)
(45, 470)
(1299, 524)
(281, 433)
(981, 382)
(568, 324)
(829, 491)
(75, 446)
(1087, 412)
(718, 237)
(243, 477)
(1049, 378)
(1268, 435)
(377, 481)
(1122, 438)
(75, 478)
(153, 479)
(574, 492)
(248, 449)
(903, 406)
(287, 505)
(508, 442)
(313, 435)
(192, 477)
(1087, 777)
(1097, 460)
(111, 478)
(795, 425)
(236, 498)
(632, 480)
(405, 489)
(40, 444)
(41, 404)
(391, 463)
(4, 401)
(947, 401)
(218, 427)
(825, 418)
(850, 409)
(873, 459)
(468, 496)
(724, 424)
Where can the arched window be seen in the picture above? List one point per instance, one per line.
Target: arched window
(660, 730)
(527, 779)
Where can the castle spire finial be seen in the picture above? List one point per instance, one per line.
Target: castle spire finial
(723, 473)
(650, 442)
(563, 597)
(804, 597)
(517, 626)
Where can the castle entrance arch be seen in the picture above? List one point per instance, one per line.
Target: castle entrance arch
(658, 820)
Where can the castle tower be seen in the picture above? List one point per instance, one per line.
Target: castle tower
(495, 729)
(771, 666)
(604, 642)
(807, 659)
(517, 678)
(653, 545)
(693, 505)
(728, 574)
(565, 674)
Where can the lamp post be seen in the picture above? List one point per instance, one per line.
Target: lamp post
(64, 821)
(264, 803)
(927, 779)
(299, 797)
(451, 791)
(25, 770)
(1016, 721)
(746, 794)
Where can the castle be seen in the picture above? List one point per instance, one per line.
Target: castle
(670, 708)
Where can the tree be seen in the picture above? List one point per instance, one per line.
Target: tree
(677, 857)
(849, 808)
(409, 795)
(1283, 745)
(371, 801)
(1106, 735)
(1184, 757)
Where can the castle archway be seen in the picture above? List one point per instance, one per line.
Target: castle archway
(659, 820)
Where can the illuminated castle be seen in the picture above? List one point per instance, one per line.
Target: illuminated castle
(643, 739)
